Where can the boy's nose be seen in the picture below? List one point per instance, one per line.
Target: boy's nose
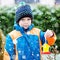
(26, 21)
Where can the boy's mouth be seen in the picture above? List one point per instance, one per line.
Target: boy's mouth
(25, 26)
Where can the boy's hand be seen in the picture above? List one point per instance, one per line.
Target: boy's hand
(49, 33)
(50, 37)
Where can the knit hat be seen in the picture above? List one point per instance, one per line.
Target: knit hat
(23, 11)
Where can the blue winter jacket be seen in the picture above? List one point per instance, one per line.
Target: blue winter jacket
(27, 45)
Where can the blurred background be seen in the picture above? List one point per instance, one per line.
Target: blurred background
(46, 16)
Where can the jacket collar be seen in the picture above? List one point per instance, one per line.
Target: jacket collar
(21, 29)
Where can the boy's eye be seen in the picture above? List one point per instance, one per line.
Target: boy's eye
(29, 19)
(22, 19)
(25, 19)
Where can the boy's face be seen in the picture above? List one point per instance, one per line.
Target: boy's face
(25, 22)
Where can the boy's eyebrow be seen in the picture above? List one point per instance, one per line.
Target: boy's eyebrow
(22, 19)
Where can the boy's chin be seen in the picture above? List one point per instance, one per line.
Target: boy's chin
(25, 27)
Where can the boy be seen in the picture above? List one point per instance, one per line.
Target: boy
(23, 43)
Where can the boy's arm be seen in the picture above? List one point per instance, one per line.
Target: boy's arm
(9, 49)
(42, 38)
